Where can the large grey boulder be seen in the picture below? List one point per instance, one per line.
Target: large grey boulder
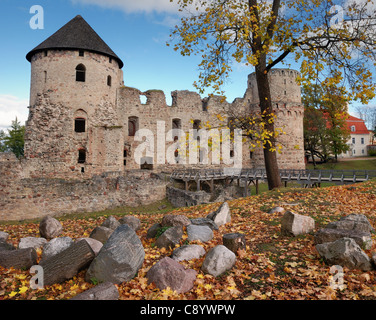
(221, 216)
(119, 259)
(355, 226)
(201, 233)
(218, 260)
(294, 224)
(55, 246)
(188, 252)
(354, 222)
(364, 240)
(170, 273)
(345, 252)
(50, 228)
(101, 233)
(173, 220)
(170, 238)
(32, 242)
(132, 221)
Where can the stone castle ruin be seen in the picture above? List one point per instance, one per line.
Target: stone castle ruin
(81, 140)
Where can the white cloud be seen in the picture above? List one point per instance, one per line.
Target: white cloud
(134, 6)
(10, 108)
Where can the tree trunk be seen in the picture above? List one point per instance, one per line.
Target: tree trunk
(270, 157)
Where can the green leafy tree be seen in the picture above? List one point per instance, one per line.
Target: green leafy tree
(325, 129)
(264, 33)
(14, 140)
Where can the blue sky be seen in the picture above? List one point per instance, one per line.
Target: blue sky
(136, 31)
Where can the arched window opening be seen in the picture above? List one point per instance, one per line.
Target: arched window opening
(132, 126)
(79, 125)
(81, 73)
(81, 156)
(109, 81)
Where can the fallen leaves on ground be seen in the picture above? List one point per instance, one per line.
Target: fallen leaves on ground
(272, 266)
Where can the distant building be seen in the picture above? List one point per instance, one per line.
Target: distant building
(361, 137)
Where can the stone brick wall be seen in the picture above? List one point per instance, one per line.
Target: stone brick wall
(31, 198)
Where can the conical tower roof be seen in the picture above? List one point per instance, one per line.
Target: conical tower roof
(77, 34)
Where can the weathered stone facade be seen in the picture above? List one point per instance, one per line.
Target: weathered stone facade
(83, 125)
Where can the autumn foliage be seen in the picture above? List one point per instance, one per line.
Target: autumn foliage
(271, 267)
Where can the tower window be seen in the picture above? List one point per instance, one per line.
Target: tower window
(45, 76)
(81, 73)
(81, 156)
(110, 60)
(132, 126)
(81, 53)
(79, 125)
(109, 80)
(46, 53)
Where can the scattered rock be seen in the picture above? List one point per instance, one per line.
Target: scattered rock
(364, 240)
(169, 273)
(204, 222)
(153, 230)
(50, 228)
(95, 245)
(18, 259)
(218, 260)
(277, 210)
(295, 224)
(173, 220)
(102, 291)
(234, 241)
(32, 242)
(55, 246)
(188, 252)
(67, 263)
(201, 233)
(354, 222)
(344, 252)
(3, 236)
(221, 216)
(119, 259)
(111, 223)
(170, 238)
(133, 222)
(101, 233)
(6, 246)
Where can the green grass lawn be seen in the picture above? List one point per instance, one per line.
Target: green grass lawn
(347, 165)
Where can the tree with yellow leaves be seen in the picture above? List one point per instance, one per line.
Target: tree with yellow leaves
(329, 41)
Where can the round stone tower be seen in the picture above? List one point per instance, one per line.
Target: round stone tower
(289, 111)
(74, 79)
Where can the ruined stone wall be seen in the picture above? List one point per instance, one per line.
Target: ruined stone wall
(32, 198)
(186, 108)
